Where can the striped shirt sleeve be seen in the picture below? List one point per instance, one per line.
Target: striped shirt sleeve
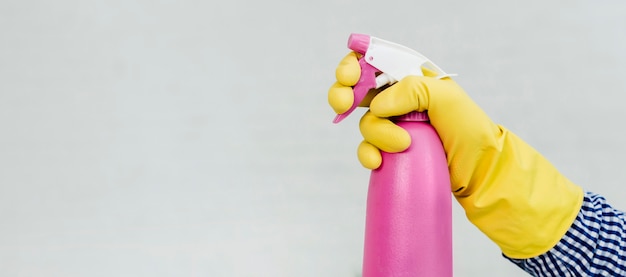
(595, 245)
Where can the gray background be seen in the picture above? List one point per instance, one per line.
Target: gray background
(194, 138)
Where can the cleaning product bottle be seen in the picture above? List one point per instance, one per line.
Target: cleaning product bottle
(408, 230)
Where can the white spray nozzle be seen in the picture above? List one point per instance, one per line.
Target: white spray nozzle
(391, 61)
(398, 61)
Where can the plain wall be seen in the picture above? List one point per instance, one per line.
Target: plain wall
(194, 138)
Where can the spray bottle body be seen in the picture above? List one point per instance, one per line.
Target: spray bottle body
(408, 228)
(408, 219)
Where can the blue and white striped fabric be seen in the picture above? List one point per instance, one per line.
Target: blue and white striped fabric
(595, 245)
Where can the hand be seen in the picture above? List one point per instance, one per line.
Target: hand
(462, 126)
(505, 186)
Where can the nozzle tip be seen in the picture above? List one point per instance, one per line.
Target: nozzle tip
(359, 42)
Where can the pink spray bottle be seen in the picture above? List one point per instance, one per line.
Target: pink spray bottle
(408, 229)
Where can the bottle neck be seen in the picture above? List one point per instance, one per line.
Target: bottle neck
(413, 116)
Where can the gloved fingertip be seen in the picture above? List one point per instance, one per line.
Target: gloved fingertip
(400, 141)
(383, 134)
(349, 71)
(369, 156)
(340, 98)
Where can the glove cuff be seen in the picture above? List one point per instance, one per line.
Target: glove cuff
(518, 199)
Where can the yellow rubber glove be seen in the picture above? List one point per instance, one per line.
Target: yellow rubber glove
(508, 190)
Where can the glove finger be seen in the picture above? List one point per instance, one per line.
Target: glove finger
(369, 155)
(407, 95)
(348, 71)
(383, 133)
(340, 97)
